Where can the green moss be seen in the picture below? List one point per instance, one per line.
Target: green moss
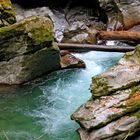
(5, 3)
(100, 86)
(137, 50)
(134, 89)
(18, 26)
(128, 55)
(41, 35)
(7, 14)
(36, 31)
(134, 105)
(137, 114)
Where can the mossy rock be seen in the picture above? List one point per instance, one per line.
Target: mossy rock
(29, 51)
(7, 14)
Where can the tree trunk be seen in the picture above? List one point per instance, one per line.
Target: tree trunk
(88, 47)
(119, 35)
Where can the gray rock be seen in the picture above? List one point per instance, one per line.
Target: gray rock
(117, 130)
(27, 50)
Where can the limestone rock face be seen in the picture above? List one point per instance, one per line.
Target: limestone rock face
(113, 112)
(27, 50)
(7, 14)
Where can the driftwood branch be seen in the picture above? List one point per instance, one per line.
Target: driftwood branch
(119, 35)
(88, 47)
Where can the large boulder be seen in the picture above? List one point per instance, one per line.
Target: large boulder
(113, 112)
(27, 50)
(7, 14)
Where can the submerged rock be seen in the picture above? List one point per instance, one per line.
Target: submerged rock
(113, 112)
(7, 14)
(27, 50)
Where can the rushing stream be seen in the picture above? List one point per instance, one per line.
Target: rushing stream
(41, 110)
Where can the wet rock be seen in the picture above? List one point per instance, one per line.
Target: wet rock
(7, 14)
(29, 51)
(70, 61)
(113, 112)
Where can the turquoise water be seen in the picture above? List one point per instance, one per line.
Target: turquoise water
(41, 110)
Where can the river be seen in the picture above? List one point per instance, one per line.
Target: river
(41, 109)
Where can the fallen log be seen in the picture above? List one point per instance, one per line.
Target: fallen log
(89, 47)
(119, 35)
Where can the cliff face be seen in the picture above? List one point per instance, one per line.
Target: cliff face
(113, 112)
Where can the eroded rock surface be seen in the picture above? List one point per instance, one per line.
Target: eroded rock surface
(113, 112)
